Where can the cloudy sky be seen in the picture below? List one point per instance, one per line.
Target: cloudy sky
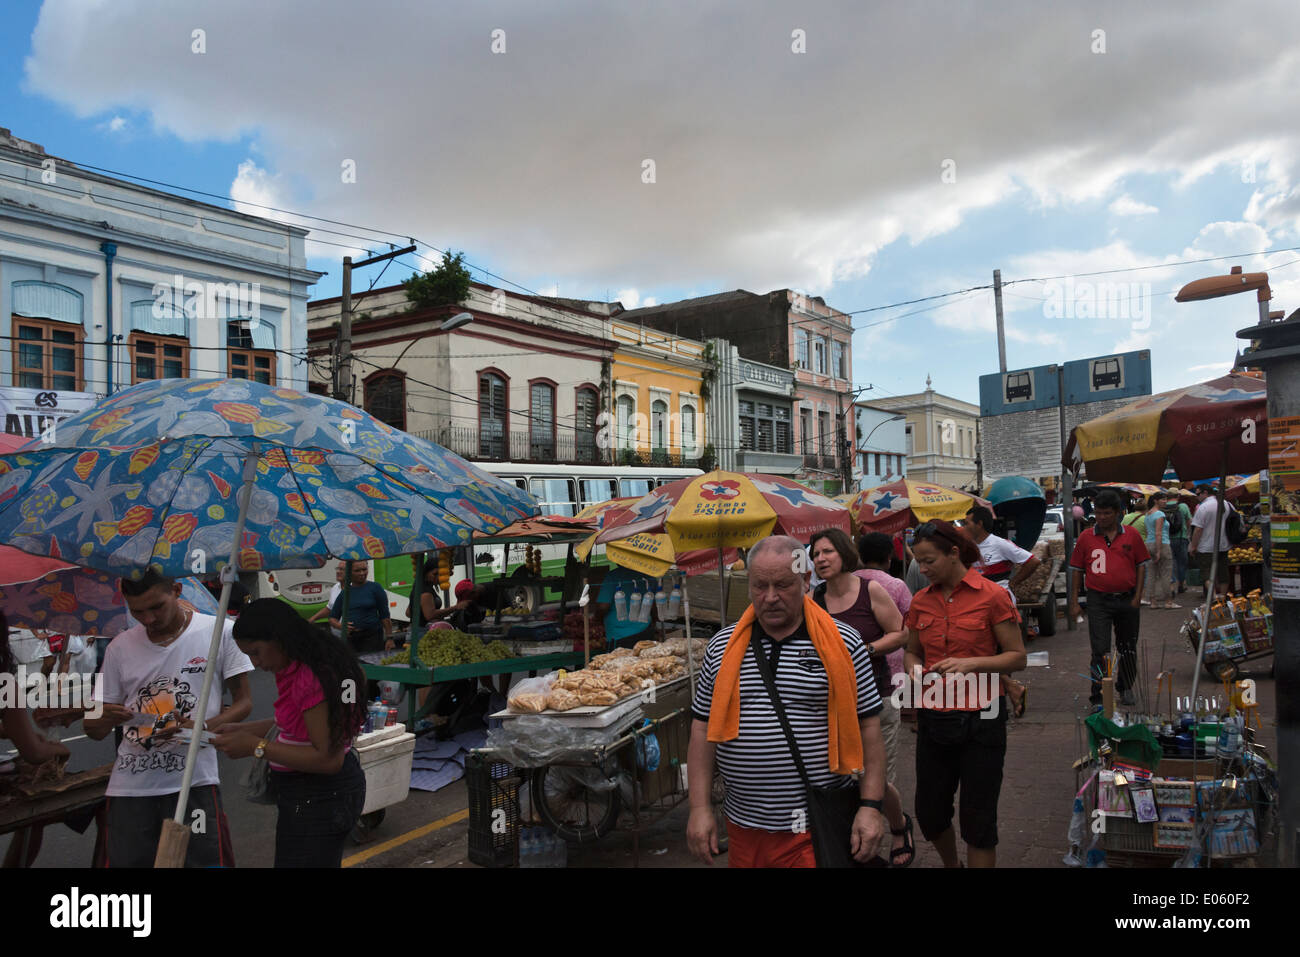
(869, 153)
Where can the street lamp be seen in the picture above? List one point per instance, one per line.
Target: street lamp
(456, 321)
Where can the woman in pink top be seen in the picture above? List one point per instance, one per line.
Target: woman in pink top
(316, 777)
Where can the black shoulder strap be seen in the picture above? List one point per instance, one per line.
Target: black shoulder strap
(765, 670)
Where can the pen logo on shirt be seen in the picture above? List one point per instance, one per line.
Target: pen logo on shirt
(195, 666)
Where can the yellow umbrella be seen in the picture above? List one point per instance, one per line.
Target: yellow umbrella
(898, 505)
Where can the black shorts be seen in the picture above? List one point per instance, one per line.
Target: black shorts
(960, 748)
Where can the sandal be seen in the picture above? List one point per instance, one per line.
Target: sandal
(909, 846)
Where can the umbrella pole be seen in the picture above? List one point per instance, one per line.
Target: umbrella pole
(690, 658)
(722, 591)
(175, 836)
(1214, 573)
(586, 622)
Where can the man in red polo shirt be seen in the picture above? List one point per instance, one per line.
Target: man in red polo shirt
(1110, 560)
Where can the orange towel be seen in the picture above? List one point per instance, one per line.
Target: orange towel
(845, 736)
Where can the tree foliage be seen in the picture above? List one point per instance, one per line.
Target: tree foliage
(444, 286)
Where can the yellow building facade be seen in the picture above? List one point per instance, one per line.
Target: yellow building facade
(657, 405)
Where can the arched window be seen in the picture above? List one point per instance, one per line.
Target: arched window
(688, 431)
(541, 409)
(492, 412)
(586, 409)
(626, 408)
(659, 424)
(386, 397)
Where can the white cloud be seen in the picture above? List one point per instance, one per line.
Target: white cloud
(1126, 205)
(260, 193)
(772, 169)
(630, 298)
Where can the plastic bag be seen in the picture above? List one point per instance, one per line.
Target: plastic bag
(535, 740)
(647, 750)
(529, 695)
(1077, 835)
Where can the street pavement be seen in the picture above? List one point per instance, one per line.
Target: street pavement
(430, 830)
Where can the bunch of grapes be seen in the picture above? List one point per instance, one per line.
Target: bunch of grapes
(496, 651)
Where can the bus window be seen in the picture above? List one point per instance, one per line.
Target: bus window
(554, 496)
(637, 487)
(595, 491)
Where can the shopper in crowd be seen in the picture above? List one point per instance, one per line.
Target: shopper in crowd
(1159, 586)
(316, 778)
(1137, 517)
(1180, 531)
(1000, 561)
(1202, 543)
(152, 679)
(962, 624)
(340, 569)
(867, 607)
(430, 600)
(875, 553)
(824, 681)
(1110, 561)
(370, 624)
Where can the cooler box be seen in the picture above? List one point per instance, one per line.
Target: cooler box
(386, 757)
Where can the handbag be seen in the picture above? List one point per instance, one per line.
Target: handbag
(258, 778)
(830, 810)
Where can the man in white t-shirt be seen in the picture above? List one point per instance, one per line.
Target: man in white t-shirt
(152, 678)
(998, 557)
(1201, 546)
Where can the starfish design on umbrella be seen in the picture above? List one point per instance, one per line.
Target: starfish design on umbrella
(882, 503)
(93, 503)
(796, 497)
(313, 418)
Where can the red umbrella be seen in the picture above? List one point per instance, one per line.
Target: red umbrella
(1202, 429)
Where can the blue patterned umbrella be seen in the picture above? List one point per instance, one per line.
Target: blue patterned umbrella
(186, 477)
(148, 478)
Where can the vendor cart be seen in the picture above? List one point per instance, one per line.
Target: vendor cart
(1042, 606)
(27, 804)
(636, 773)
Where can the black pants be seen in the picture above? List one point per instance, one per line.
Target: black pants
(1107, 612)
(316, 814)
(135, 823)
(960, 749)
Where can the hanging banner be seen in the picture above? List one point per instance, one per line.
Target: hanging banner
(1284, 505)
(28, 412)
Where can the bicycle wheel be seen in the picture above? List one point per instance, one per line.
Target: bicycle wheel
(573, 810)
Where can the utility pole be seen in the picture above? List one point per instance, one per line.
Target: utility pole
(1067, 510)
(343, 387)
(1002, 333)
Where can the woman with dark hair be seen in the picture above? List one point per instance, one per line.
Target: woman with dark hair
(866, 606)
(430, 600)
(963, 634)
(315, 775)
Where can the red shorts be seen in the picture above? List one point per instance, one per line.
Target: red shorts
(750, 847)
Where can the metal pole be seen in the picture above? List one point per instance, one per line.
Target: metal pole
(1214, 573)
(1067, 489)
(722, 591)
(343, 388)
(1002, 334)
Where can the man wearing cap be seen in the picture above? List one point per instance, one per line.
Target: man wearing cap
(370, 625)
(468, 609)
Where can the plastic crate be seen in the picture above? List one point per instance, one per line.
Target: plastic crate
(493, 811)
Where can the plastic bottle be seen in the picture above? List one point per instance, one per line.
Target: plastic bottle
(633, 606)
(1230, 737)
(527, 848)
(647, 605)
(661, 604)
(675, 603)
(620, 604)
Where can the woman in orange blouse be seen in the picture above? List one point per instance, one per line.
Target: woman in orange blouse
(963, 634)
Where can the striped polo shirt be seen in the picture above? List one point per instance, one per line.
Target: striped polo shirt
(764, 789)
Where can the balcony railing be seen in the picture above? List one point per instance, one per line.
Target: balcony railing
(819, 460)
(567, 447)
(654, 457)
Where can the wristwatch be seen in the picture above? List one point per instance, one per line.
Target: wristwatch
(260, 750)
(873, 804)
(871, 649)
